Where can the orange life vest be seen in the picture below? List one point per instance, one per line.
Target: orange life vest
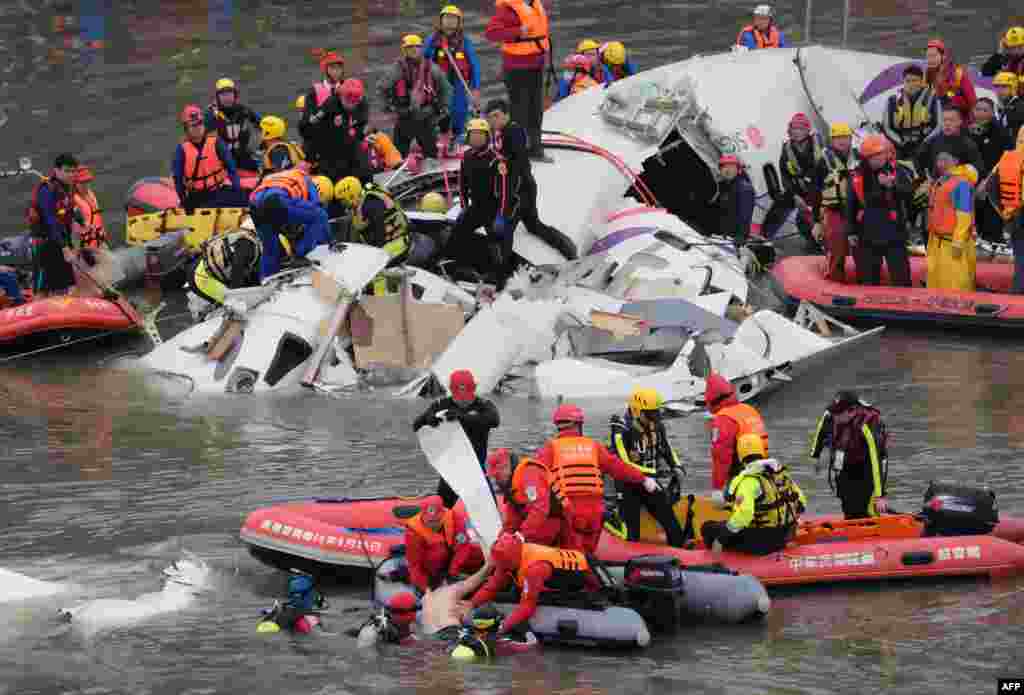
(92, 234)
(772, 39)
(458, 54)
(582, 81)
(857, 186)
(534, 22)
(432, 537)
(568, 564)
(575, 469)
(292, 181)
(203, 170)
(1011, 170)
(517, 491)
(747, 419)
(941, 212)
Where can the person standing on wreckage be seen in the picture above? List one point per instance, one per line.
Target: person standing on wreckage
(478, 416)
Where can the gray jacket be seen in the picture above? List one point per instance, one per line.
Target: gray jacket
(403, 105)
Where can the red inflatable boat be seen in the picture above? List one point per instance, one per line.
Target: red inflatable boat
(63, 318)
(335, 534)
(802, 278)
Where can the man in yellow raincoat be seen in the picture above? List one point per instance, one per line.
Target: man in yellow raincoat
(951, 249)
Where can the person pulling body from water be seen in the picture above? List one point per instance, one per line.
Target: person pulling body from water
(730, 421)
(204, 170)
(853, 438)
(455, 54)
(736, 200)
(1005, 186)
(832, 179)
(761, 32)
(438, 545)
(952, 258)
(227, 262)
(478, 416)
(912, 115)
(529, 507)
(417, 90)
(231, 119)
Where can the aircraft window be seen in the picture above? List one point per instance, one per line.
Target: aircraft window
(291, 352)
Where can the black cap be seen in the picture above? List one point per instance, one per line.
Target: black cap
(846, 398)
(65, 159)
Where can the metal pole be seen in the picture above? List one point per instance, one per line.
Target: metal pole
(807, 21)
(846, 21)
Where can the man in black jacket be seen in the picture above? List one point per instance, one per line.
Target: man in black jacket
(1011, 105)
(477, 416)
(479, 202)
(952, 134)
(735, 200)
(992, 140)
(339, 135)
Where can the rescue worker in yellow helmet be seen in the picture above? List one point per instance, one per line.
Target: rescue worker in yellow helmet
(639, 439)
(419, 92)
(1011, 105)
(592, 49)
(766, 505)
(832, 180)
(1005, 188)
(615, 62)
(278, 154)
(379, 220)
(912, 114)
(1009, 57)
(227, 263)
(231, 120)
(455, 54)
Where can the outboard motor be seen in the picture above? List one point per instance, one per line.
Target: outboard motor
(951, 509)
(654, 588)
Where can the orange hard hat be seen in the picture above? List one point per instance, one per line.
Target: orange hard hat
(84, 175)
(874, 144)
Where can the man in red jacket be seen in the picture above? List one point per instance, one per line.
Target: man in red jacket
(730, 420)
(521, 27)
(437, 544)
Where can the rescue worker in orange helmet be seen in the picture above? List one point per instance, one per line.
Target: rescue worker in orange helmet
(534, 569)
(576, 465)
(418, 91)
(911, 115)
(332, 69)
(437, 543)
(761, 32)
(951, 247)
(455, 54)
(950, 82)
(49, 216)
(231, 120)
(576, 76)
(528, 507)
(832, 179)
(204, 170)
(730, 420)
(1005, 188)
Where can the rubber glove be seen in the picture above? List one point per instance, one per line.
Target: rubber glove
(718, 498)
(881, 504)
(651, 486)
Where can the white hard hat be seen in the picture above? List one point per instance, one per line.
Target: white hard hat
(764, 11)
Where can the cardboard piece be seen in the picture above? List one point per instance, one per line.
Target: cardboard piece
(619, 324)
(384, 335)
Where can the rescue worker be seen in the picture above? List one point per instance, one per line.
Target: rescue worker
(736, 200)
(1005, 187)
(478, 417)
(278, 154)
(766, 505)
(231, 120)
(339, 144)
(801, 154)
(455, 54)
(480, 202)
(575, 465)
(287, 203)
(522, 29)
(992, 141)
(438, 545)
(592, 49)
(379, 220)
(951, 247)
(730, 420)
(1011, 105)
(332, 68)
(534, 569)
(911, 115)
(950, 82)
(639, 439)
(832, 179)
(419, 93)
(87, 226)
(576, 76)
(1009, 57)
(49, 216)
(953, 133)
(852, 437)
(876, 214)
(762, 32)
(204, 170)
(615, 62)
(227, 262)
(528, 508)
(303, 599)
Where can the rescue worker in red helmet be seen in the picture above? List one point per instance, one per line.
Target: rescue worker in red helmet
(204, 170)
(332, 68)
(736, 200)
(437, 543)
(802, 152)
(231, 120)
(730, 420)
(339, 139)
(418, 91)
(576, 465)
(951, 82)
(478, 417)
(528, 507)
(577, 76)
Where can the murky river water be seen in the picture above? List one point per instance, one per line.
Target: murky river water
(102, 485)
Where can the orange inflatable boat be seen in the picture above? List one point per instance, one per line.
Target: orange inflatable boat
(65, 318)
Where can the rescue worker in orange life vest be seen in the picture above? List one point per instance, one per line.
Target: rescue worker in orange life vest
(615, 62)
(49, 216)
(766, 505)
(339, 139)
(526, 492)
(534, 569)
(1011, 104)
(736, 200)
(639, 439)
(992, 140)
(832, 179)
(911, 115)
(231, 121)
(204, 170)
(576, 465)
(730, 420)
(951, 248)
(332, 68)
(419, 93)
(762, 32)
(1005, 187)
(592, 49)
(438, 544)
(800, 156)
(576, 76)
(455, 54)
(950, 82)
(288, 203)
(852, 440)
(89, 238)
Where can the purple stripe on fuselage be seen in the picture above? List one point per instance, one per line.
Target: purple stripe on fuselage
(892, 77)
(616, 238)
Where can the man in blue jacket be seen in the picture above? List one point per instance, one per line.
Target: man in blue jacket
(49, 217)
(288, 204)
(455, 54)
(735, 200)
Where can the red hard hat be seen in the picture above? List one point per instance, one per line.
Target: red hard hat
(729, 159)
(800, 120)
(330, 58)
(874, 144)
(191, 115)
(402, 607)
(84, 175)
(717, 388)
(351, 90)
(578, 61)
(499, 464)
(937, 44)
(462, 385)
(507, 551)
(567, 413)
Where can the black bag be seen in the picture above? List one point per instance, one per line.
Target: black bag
(951, 509)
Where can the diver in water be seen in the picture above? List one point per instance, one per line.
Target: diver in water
(301, 612)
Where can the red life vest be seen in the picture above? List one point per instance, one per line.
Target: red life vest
(457, 50)
(772, 39)
(857, 186)
(34, 217)
(322, 90)
(203, 170)
(416, 86)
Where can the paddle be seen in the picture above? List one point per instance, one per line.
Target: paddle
(469, 92)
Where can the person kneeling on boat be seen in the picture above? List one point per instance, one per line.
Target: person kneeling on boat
(639, 439)
(278, 153)
(534, 569)
(730, 420)
(952, 257)
(286, 201)
(1006, 185)
(205, 175)
(227, 263)
(438, 545)
(766, 505)
(858, 463)
(526, 488)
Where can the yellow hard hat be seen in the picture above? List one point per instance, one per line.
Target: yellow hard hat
(478, 125)
(644, 400)
(348, 191)
(750, 445)
(587, 45)
(1006, 79)
(451, 9)
(615, 53)
(300, 102)
(411, 40)
(273, 127)
(224, 85)
(433, 202)
(840, 129)
(325, 188)
(1014, 37)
